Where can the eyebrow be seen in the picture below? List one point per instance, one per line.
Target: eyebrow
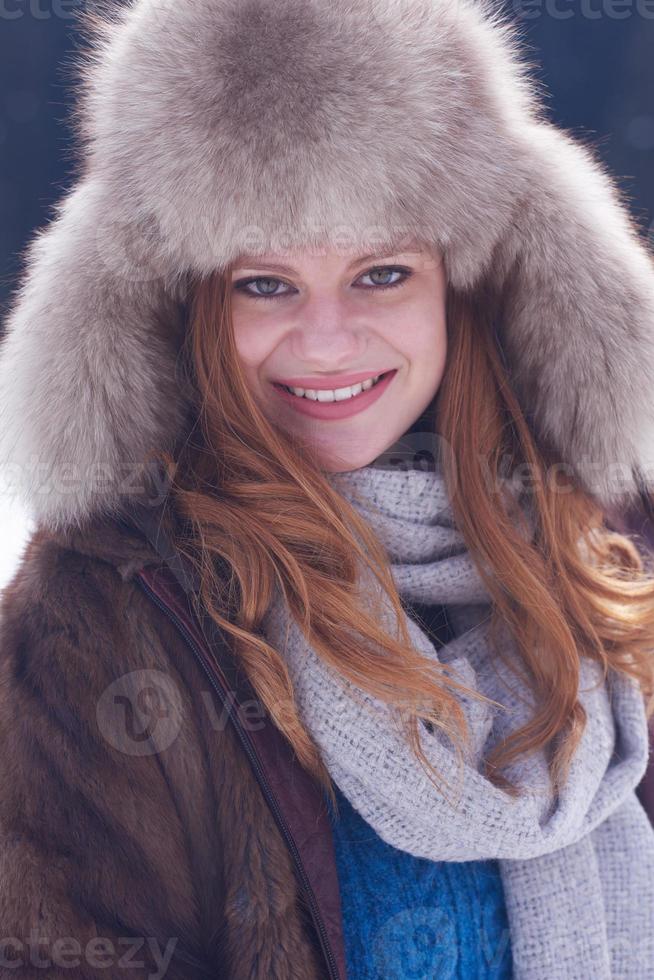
(289, 270)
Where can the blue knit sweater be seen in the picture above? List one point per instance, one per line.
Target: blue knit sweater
(406, 917)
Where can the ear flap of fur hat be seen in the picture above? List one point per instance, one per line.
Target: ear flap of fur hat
(87, 367)
(210, 129)
(578, 323)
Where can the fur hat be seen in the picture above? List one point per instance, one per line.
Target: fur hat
(210, 127)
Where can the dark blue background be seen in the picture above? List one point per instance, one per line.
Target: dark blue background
(596, 58)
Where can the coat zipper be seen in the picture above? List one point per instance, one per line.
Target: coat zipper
(328, 953)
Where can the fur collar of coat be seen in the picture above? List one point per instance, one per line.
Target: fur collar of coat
(167, 856)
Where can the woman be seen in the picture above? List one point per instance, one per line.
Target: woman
(240, 584)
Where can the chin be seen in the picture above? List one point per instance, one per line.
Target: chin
(331, 464)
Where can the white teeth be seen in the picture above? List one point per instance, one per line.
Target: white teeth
(335, 395)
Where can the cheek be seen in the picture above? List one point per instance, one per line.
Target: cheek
(431, 325)
(253, 338)
(422, 335)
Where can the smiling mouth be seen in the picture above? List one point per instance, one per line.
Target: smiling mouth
(324, 395)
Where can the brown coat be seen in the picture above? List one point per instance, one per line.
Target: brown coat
(101, 842)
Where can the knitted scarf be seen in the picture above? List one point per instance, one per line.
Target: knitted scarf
(578, 868)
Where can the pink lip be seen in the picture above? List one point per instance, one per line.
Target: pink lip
(336, 410)
(327, 384)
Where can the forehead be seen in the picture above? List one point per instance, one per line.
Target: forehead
(349, 255)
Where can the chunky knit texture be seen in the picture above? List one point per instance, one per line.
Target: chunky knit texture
(411, 919)
(578, 871)
(406, 917)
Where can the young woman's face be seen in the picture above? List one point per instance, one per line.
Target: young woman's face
(324, 322)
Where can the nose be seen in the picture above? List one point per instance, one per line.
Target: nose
(329, 335)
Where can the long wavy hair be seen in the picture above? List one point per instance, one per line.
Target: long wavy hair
(254, 510)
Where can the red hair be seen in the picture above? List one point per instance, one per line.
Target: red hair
(255, 500)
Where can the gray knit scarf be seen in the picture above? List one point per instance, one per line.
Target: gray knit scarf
(577, 870)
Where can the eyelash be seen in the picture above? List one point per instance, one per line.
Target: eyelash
(406, 274)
